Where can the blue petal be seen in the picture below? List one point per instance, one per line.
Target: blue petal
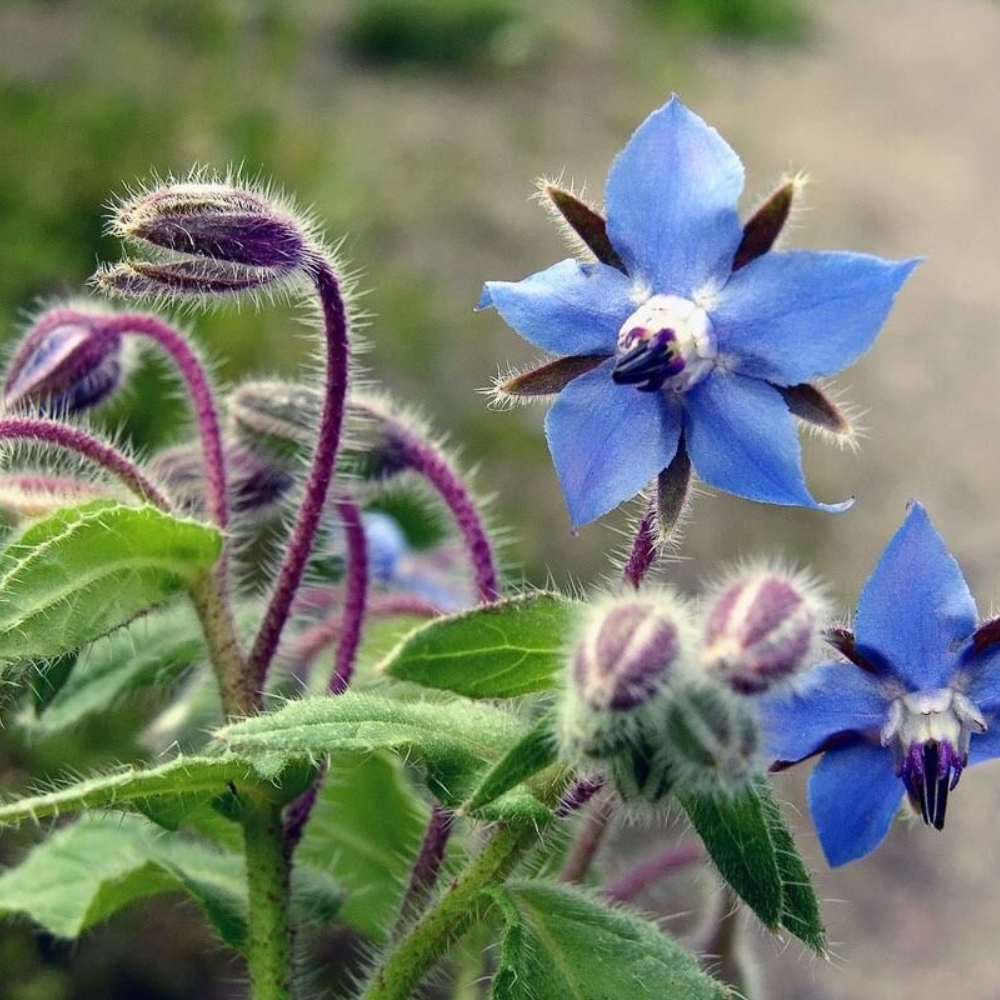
(853, 796)
(671, 201)
(794, 316)
(608, 441)
(915, 611)
(570, 308)
(742, 439)
(831, 698)
(980, 680)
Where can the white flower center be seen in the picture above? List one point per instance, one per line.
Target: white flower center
(667, 342)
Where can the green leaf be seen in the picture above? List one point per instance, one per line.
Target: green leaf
(84, 571)
(183, 782)
(560, 944)
(536, 751)
(86, 872)
(800, 913)
(735, 830)
(156, 649)
(455, 741)
(365, 830)
(499, 650)
(751, 846)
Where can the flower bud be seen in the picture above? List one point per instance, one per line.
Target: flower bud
(761, 629)
(216, 221)
(145, 279)
(276, 420)
(67, 363)
(710, 736)
(24, 496)
(618, 668)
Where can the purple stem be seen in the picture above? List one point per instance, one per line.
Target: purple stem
(578, 795)
(68, 438)
(297, 814)
(422, 457)
(426, 868)
(323, 464)
(206, 414)
(588, 842)
(669, 861)
(644, 549)
(355, 598)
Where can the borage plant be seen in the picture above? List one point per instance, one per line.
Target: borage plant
(362, 706)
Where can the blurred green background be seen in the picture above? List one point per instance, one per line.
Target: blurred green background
(415, 129)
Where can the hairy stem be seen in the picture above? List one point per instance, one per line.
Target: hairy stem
(425, 868)
(421, 456)
(355, 597)
(428, 939)
(269, 935)
(320, 475)
(205, 410)
(58, 435)
(644, 550)
(588, 842)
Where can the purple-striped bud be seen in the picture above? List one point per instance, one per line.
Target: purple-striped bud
(760, 629)
(216, 221)
(67, 363)
(275, 420)
(620, 665)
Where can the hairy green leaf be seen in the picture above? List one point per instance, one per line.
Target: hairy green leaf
(185, 781)
(82, 572)
(533, 753)
(365, 829)
(500, 650)
(86, 872)
(156, 649)
(454, 741)
(560, 944)
(751, 846)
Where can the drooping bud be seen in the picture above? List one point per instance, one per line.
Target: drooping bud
(68, 362)
(761, 628)
(216, 221)
(276, 420)
(619, 667)
(710, 736)
(206, 238)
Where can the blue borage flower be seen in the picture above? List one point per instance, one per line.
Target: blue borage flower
(687, 336)
(912, 707)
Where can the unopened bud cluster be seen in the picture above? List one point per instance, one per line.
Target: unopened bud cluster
(656, 706)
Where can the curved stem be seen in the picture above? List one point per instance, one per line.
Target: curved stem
(355, 598)
(68, 438)
(323, 463)
(205, 411)
(646, 872)
(426, 868)
(421, 456)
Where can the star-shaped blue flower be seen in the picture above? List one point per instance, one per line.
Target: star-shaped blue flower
(687, 335)
(913, 705)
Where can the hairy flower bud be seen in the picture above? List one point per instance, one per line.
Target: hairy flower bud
(24, 496)
(67, 363)
(618, 668)
(214, 220)
(276, 420)
(760, 629)
(710, 736)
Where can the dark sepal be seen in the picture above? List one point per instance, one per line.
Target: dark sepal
(672, 486)
(552, 377)
(764, 226)
(842, 640)
(589, 225)
(808, 402)
(986, 636)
